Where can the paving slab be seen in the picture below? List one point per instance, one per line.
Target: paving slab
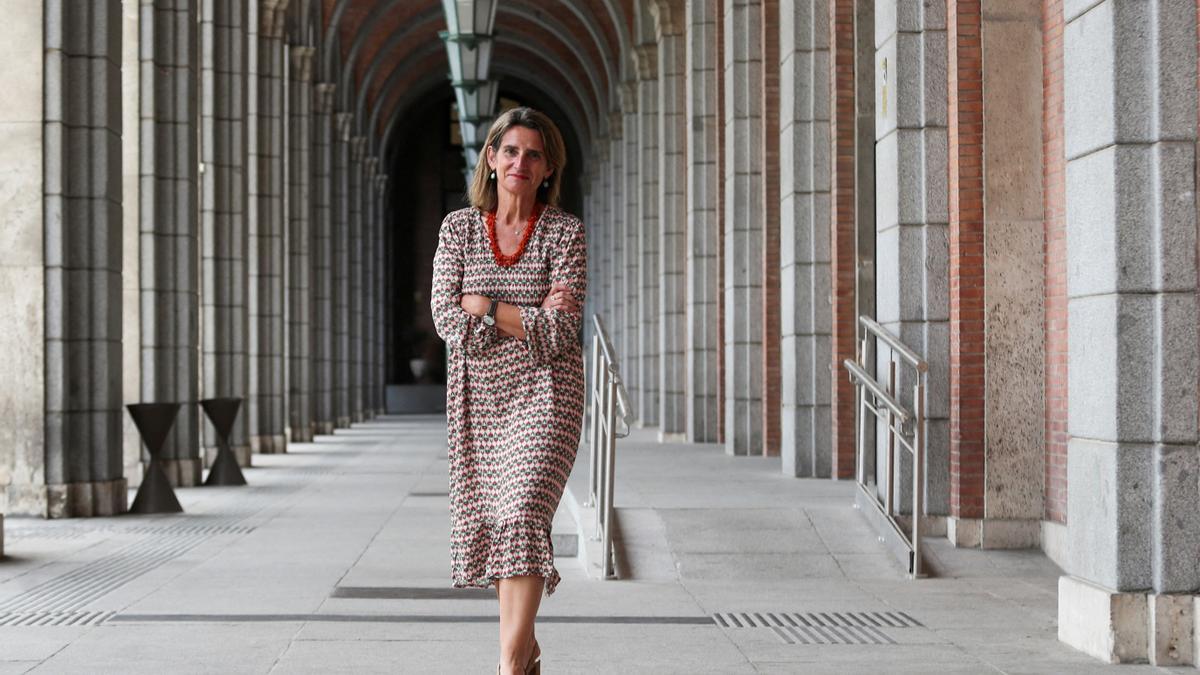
(335, 558)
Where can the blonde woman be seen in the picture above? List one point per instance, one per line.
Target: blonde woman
(509, 279)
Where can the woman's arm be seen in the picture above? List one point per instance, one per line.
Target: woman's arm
(508, 317)
(550, 331)
(458, 328)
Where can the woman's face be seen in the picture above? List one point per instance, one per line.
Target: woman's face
(520, 163)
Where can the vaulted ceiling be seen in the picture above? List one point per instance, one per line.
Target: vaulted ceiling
(568, 50)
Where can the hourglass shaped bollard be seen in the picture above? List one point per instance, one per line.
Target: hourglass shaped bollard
(222, 412)
(154, 421)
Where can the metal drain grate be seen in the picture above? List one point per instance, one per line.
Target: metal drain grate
(73, 590)
(191, 529)
(54, 618)
(820, 628)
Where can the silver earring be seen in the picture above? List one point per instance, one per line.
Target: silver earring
(493, 176)
(546, 183)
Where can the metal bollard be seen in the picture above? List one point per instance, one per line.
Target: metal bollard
(154, 421)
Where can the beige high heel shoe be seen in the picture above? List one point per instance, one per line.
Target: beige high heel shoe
(534, 667)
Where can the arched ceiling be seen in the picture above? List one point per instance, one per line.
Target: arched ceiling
(388, 51)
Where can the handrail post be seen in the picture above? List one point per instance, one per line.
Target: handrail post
(610, 456)
(918, 474)
(595, 429)
(890, 489)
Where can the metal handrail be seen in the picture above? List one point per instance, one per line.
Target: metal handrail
(894, 342)
(607, 396)
(870, 394)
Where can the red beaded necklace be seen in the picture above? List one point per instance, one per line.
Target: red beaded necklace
(510, 260)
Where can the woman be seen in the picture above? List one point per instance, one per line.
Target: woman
(509, 278)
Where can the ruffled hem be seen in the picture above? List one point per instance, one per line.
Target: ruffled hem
(513, 549)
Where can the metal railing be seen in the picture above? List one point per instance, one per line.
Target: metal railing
(904, 429)
(607, 395)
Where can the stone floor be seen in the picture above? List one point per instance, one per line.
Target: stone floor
(334, 559)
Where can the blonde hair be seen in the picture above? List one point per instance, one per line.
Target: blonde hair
(483, 188)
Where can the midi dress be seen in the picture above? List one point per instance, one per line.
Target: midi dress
(514, 408)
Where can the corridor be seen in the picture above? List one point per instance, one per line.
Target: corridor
(335, 559)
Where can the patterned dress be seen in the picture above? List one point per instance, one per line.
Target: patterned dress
(514, 408)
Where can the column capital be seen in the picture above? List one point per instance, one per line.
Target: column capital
(615, 128)
(381, 181)
(629, 96)
(646, 58)
(668, 17)
(302, 58)
(372, 164)
(343, 120)
(358, 148)
(323, 96)
(272, 14)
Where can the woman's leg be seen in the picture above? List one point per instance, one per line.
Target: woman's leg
(519, 601)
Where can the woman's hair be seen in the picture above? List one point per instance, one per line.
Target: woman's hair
(483, 188)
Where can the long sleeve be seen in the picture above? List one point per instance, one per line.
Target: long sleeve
(550, 333)
(454, 325)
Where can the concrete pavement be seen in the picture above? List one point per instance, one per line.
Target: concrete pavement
(335, 559)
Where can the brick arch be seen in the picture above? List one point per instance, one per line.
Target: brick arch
(583, 37)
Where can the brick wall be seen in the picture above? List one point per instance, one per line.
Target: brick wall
(772, 377)
(965, 75)
(842, 238)
(1054, 196)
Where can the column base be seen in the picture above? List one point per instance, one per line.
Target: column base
(87, 499)
(672, 437)
(993, 533)
(342, 422)
(1, 536)
(322, 428)
(358, 418)
(183, 472)
(302, 434)
(242, 453)
(1136, 627)
(273, 444)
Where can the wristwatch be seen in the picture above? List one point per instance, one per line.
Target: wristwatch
(489, 319)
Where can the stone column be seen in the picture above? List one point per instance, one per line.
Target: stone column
(131, 324)
(805, 218)
(672, 201)
(354, 272)
(81, 211)
(911, 213)
(370, 303)
(321, 256)
(647, 397)
(382, 304)
(299, 205)
(630, 261)
(223, 215)
(615, 240)
(340, 242)
(267, 409)
(702, 404)
(169, 228)
(23, 156)
(1132, 462)
(743, 234)
(1014, 398)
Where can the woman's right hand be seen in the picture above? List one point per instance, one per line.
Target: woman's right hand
(561, 298)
